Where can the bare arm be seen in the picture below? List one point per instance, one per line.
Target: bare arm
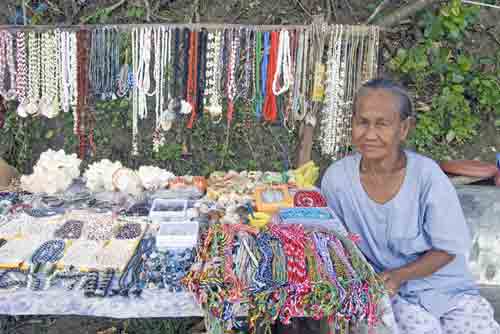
(424, 266)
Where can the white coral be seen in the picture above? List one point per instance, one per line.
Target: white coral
(99, 175)
(153, 178)
(54, 172)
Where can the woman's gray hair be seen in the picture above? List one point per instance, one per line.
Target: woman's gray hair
(405, 103)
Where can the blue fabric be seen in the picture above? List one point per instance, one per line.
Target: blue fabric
(425, 214)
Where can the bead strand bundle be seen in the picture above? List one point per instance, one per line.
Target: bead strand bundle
(281, 273)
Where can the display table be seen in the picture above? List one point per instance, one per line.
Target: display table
(481, 206)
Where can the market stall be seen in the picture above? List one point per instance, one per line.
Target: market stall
(128, 251)
(106, 239)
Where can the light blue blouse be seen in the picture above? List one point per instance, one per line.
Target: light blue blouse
(424, 215)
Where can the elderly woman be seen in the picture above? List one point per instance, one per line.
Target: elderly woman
(407, 213)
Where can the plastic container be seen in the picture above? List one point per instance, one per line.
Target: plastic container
(177, 234)
(168, 209)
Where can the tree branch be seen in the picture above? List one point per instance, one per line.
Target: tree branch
(405, 12)
(383, 5)
(147, 6)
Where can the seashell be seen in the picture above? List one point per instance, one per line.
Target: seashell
(186, 108)
(153, 178)
(127, 181)
(21, 110)
(31, 108)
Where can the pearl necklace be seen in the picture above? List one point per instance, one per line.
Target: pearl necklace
(212, 95)
(284, 64)
(34, 72)
(162, 52)
(142, 71)
(22, 67)
(7, 63)
(49, 104)
(65, 71)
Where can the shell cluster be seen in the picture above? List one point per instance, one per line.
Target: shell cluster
(53, 173)
(99, 175)
(106, 175)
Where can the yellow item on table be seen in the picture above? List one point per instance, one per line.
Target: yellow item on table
(306, 175)
(272, 198)
(259, 219)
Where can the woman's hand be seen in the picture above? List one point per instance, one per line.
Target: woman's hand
(424, 266)
(392, 281)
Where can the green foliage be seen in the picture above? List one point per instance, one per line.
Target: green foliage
(461, 90)
(136, 12)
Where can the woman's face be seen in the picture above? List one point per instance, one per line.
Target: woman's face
(377, 129)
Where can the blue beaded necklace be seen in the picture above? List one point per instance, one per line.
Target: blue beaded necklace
(49, 251)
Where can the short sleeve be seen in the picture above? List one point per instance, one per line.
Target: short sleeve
(444, 221)
(329, 191)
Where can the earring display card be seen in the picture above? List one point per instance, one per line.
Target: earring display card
(271, 199)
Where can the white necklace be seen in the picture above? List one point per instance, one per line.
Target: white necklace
(135, 89)
(330, 125)
(143, 80)
(34, 73)
(65, 71)
(162, 49)
(49, 104)
(22, 73)
(284, 64)
(212, 95)
(167, 114)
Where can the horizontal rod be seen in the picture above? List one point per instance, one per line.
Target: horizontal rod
(480, 4)
(193, 26)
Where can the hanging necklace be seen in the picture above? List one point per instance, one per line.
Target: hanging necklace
(288, 121)
(234, 39)
(7, 65)
(191, 89)
(298, 95)
(83, 90)
(329, 137)
(258, 95)
(318, 89)
(123, 83)
(248, 67)
(143, 80)
(48, 105)
(270, 110)
(162, 51)
(202, 70)
(135, 89)
(22, 73)
(283, 66)
(34, 74)
(65, 72)
(168, 114)
(212, 93)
